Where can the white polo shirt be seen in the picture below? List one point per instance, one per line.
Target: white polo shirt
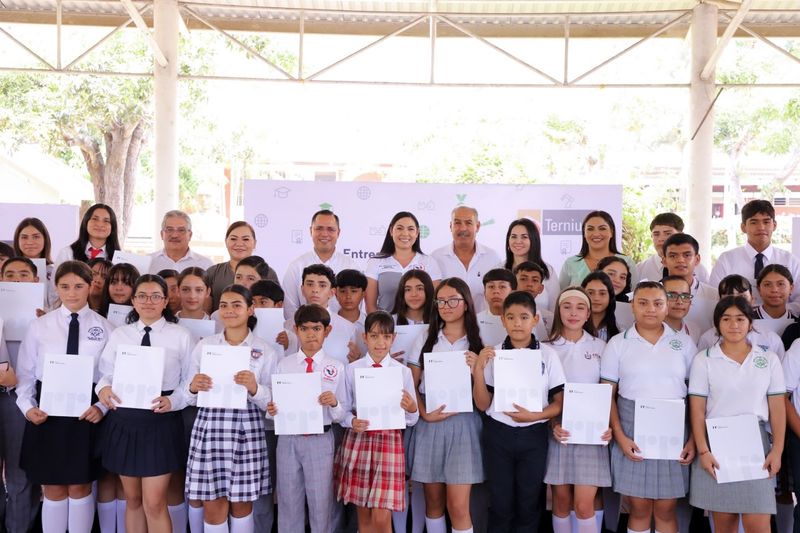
(653, 269)
(482, 262)
(764, 322)
(767, 341)
(791, 373)
(553, 376)
(648, 371)
(742, 261)
(387, 271)
(701, 312)
(580, 360)
(161, 261)
(292, 279)
(332, 380)
(731, 389)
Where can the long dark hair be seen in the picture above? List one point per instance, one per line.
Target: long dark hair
(112, 241)
(535, 252)
(387, 248)
(609, 319)
(470, 319)
(245, 293)
(604, 262)
(41, 228)
(124, 272)
(400, 308)
(612, 244)
(167, 313)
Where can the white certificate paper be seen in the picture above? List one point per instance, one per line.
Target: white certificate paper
(221, 363)
(296, 396)
(141, 262)
(736, 444)
(447, 382)
(587, 408)
(518, 380)
(18, 305)
(117, 314)
(658, 427)
(378, 395)
(491, 329)
(199, 328)
(66, 384)
(269, 325)
(406, 335)
(138, 373)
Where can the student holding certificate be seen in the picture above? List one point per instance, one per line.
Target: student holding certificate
(370, 467)
(647, 361)
(58, 452)
(228, 467)
(516, 442)
(575, 471)
(446, 449)
(729, 379)
(145, 446)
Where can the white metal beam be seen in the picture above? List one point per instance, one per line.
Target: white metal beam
(725, 39)
(142, 25)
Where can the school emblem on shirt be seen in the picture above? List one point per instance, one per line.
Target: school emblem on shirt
(760, 361)
(255, 353)
(330, 372)
(590, 355)
(676, 344)
(95, 334)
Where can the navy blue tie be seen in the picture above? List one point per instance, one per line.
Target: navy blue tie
(146, 338)
(74, 335)
(759, 265)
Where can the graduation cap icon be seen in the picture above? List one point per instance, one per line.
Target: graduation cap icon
(282, 192)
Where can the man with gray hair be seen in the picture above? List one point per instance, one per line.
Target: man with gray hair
(176, 232)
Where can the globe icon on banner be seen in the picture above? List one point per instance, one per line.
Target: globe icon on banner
(424, 231)
(363, 193)
(261, 220)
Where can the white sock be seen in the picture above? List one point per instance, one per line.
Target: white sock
(196, 519)
(417, 507)
(400, 519)
(220, 528)
(587, 525)
(121, 506)
(107, 516)
(462, 530)
(598, 516)
(436, 525)
(785, 518)
(81, 514)
(243, 524)
(177, 513)
(634, 531)
(54, 515)
(561, 524)
(573, 521)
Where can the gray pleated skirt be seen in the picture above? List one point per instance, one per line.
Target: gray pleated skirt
(755, 496)
(448, 451)
(577, 464)
(655, 479)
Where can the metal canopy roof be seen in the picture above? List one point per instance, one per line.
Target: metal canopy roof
(522, 18)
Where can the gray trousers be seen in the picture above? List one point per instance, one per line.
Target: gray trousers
(264, 507)
(21, 497)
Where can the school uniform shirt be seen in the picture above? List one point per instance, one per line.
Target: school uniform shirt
(731, 389)
(552, 375)
(493, 332)
(580, 360)
(575, 269)
(742, 261)
(768, 341)
(644, 370)
(221, 275)
(48, 335)
(691, 330)
(701, 311)
(333, 379)
(414, 357)
(482, 262)
(359, 331)
(161, 261)
(387, 271)
(263, 362)
(350, 385)
(764, 322)
(547, 298)
(653, 269)
(177, 344)
(292, 278)
(336, 343)
(410, 321)
(65, 254)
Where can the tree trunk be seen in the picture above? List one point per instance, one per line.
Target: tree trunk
(129, 178)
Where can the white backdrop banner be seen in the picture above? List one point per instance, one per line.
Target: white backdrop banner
(280, 211)
(61, 222)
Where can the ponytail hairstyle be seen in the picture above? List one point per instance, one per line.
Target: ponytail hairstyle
(167, 313)
(470, 319)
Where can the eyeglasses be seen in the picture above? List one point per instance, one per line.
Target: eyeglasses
(450, 302)
(144, 298)
(685, 296)
(180, 231)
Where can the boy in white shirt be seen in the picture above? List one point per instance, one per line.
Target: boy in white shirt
(663, 226)
(530, 279)
(351, 286)
(681, 257)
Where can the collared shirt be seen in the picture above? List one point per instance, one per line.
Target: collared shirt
(177, 343)
(701, 310)
(652, 269)
(742, 261)
(387, 271)
(764, 322)
(333, 379)
(48, 335)
(552, 376)
(221, 275)
(767, 341)
(731, 389)
(65, 254)
(367, 362)
(336, 345)
(494, 332)
(575, 269)
(161, 261)
(482, 262)
(547, 298)
(263, 362)
(648, 371)
(292, 279)
(580, 360)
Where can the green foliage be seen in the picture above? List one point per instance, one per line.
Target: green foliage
(639, 206)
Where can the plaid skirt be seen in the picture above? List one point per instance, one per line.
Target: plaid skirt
(228, 455)
(369, 470)
(652, 478)
(577, 464)
(448, 451)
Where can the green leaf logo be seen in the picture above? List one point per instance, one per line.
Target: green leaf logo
(461, 198)
(325, 205)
